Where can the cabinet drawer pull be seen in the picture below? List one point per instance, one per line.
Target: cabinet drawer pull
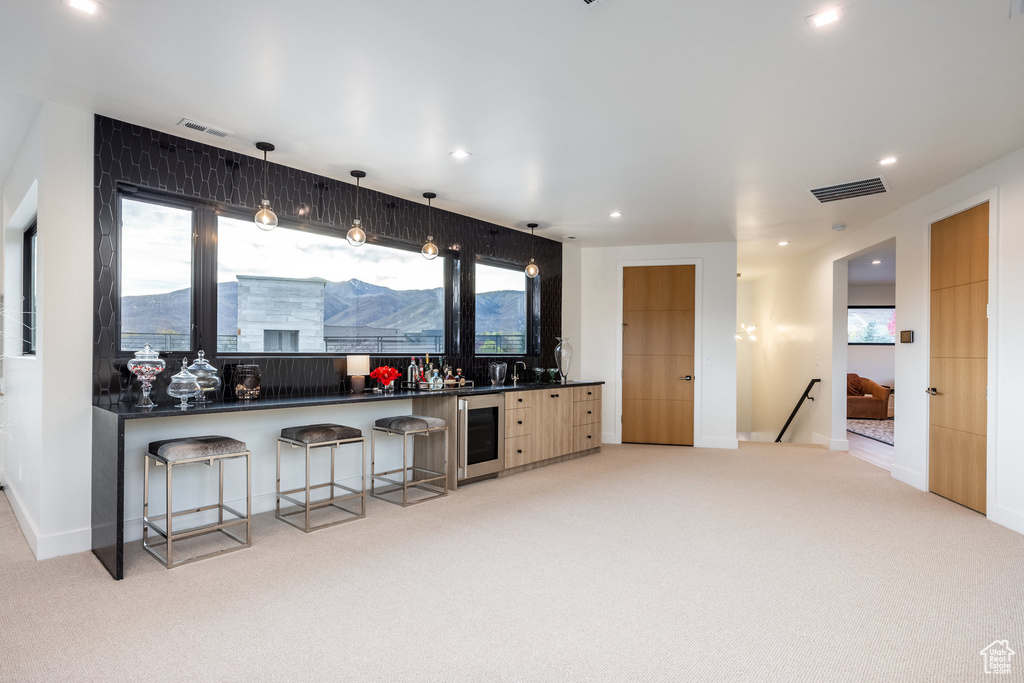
(590, 393)
(588, 436)
(521, 450)
(590, 412)
(520, 400)
(519, 422)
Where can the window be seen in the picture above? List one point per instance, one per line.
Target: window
(280, 341)
(871, 325)
(28, 290)
(500, 310)
(299, 291)
(156, 276)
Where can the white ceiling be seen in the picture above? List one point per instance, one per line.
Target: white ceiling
(862, 270)
(700, 121)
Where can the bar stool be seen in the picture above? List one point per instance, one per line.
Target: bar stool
(174, 453)
(410, 426)
(317, 436)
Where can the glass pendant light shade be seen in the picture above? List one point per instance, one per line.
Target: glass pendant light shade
(265, 218)
(532, 269)
(429, 249)
(355, 236)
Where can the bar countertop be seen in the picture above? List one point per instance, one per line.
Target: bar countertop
(128, 411)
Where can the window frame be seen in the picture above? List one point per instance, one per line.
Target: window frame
(29, 289)
(532, 346)
(134, 194)
(884, 306)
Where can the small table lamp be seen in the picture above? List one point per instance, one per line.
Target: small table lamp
(358, 368)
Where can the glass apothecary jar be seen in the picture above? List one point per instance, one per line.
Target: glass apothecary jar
(146, 365)
(206, 376)
(184, 385)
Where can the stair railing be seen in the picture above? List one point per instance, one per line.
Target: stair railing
(805, 396)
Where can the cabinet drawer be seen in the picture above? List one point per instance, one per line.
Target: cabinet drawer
(514, 400)
(586, 437)
(592, 393)
(518, 423)
(586, 412)
(519, 451)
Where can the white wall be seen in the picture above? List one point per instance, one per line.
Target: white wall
(48, 443)
(795, 303)
(745, 359)
(715, 384)
(572, 321)
(875, 362)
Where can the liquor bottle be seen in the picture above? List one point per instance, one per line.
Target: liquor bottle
(459, 379)
(412, 372)
(449, 378)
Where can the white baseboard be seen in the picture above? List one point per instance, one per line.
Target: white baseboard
(28, 527)
(64, 543)
(1011, 519)
(716, 442)
(915, 479)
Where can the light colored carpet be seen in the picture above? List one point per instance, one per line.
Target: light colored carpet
(641, 563)
(879, 430)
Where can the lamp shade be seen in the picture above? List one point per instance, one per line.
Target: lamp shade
(358, 365)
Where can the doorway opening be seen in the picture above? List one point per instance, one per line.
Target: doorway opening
(871, 338)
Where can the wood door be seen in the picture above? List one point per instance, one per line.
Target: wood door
(958, 410)
(552, 432)
(657, 354)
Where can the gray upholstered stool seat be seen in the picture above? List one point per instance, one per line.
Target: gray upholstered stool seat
(192, 450)
(339, 495)
(196, 447)
(320, 433)
(428, 470)
(410, 423)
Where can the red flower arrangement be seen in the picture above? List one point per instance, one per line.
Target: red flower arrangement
(385, 375)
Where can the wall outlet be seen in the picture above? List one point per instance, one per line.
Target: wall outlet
(817, 361)
(707, 361)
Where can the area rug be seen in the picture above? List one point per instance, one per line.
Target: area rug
(879, 430)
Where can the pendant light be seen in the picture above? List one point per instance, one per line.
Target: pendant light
(429, 249)
(355, 236)
(265, 218)
(532, 270)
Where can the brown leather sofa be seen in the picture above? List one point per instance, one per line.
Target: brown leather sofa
(866, 399)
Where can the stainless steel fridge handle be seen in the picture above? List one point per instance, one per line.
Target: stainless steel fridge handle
(463, 435)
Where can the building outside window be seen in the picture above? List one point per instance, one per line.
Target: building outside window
(292, 290)
(500, 310)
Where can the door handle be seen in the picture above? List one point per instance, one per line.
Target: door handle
(687, 378)
(931, 390)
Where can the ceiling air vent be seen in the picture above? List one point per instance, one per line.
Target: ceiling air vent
(203, 128)
(590, 2)
(858, 188)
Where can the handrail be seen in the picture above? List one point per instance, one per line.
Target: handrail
(799, 403)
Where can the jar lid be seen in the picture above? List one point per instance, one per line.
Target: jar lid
(147, 353)
(201, 364)
(184, 375)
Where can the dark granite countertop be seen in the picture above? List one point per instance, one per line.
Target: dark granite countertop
(128, 411)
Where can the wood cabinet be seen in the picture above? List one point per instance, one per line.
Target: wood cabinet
(547, 423)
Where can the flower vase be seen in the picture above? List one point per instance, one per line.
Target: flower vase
(389, 388)
(563, 357)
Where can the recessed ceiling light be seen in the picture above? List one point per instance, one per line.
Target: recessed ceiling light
(886, 161)
(783, 243)
(87, 6)
(839, 227)
(829, 16)
(616, 214)
(570, 237)
(875, 262)
(461, 154)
